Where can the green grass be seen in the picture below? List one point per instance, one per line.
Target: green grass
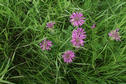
(23, 27)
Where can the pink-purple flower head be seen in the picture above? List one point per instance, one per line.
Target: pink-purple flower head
(77, 19)
(68, 56)
(46, 44)
(93, 26)
(114, 34)
(78, 37)
(50, 24)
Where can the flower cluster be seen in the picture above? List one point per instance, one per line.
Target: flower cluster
(78, 37)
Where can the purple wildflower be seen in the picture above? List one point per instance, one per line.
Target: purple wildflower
(50, 24)
(68, 56)
(114, 34)
(93, 26)
(45, 45)
(77, 19)
(78, 37)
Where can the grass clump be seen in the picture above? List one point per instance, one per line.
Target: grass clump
(23, 27)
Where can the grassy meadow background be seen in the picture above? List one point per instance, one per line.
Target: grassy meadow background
(23, 27)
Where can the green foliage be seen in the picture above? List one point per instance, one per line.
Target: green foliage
(23, 27)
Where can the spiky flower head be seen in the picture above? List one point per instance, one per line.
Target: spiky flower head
(68, 56)
(114, 34)
(45, 45)
(50, 24)
(93, 26)
(77, 19)
(78, 37)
